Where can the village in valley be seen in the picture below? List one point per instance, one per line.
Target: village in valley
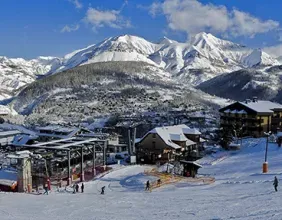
(55, 159)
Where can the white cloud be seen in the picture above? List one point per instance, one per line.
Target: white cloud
(77, 4)
(154, 9)
(111, 18)
(275, 51)
(244, 24)
(191, 16)
(70, 28)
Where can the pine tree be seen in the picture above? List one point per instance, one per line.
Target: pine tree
(226, 136)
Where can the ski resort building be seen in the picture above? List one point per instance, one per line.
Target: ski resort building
(58, 132)
(253, 117)
(170, 143)
(6, 137)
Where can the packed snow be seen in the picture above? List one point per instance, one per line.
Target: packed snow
(240, 191)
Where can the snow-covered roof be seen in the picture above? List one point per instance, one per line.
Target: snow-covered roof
(189, 142)
(171, 133)
(23, 139)
(227, 111)
(178, 137)
(56, 128)
(19, 154)
(191, 131)
(191, 162)
(9, 133)
(59, 131)
(262, 106)
(23, 130)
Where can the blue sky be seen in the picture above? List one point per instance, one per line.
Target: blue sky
(30, 28)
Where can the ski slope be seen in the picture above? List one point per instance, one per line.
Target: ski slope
(241, 191)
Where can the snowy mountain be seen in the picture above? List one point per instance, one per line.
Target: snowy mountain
(121, 48)
(16, 73)
(246, 83)
(194, 62)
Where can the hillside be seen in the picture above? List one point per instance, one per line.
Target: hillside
(246, 83)
(102, 90)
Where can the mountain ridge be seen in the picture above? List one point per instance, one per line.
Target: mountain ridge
(194, 62)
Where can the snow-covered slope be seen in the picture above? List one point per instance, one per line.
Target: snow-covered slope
(246, 83)
(206, 57)
(240, 191)
(16, 73)
(194, 62)
(203, 58)
(121, 48)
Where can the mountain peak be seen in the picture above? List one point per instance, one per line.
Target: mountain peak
(259, 57)
(202, 34)
(165, 40)
(127, 37)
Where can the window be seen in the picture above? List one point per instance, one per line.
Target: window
(154, 135)
(154, 144)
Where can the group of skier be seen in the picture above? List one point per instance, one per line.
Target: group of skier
(147, 188)
(76, 188)
(148, 185)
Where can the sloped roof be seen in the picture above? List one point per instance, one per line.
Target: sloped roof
(191, 162)
(23, 139)
(178, 137)
(171, 133)
(191, 131)
(262, 106)
(189, 142)
(9, 133)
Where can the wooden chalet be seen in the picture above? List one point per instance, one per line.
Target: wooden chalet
(170, 143)
(254, 117)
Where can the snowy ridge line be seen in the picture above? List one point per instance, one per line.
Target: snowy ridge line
(205, 54)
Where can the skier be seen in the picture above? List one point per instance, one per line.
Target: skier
(82, 187)
(46, 189)
(147, 186)
(76, 187)
(103, 190)
(159, 182)
(275, 183)
(73, 188)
